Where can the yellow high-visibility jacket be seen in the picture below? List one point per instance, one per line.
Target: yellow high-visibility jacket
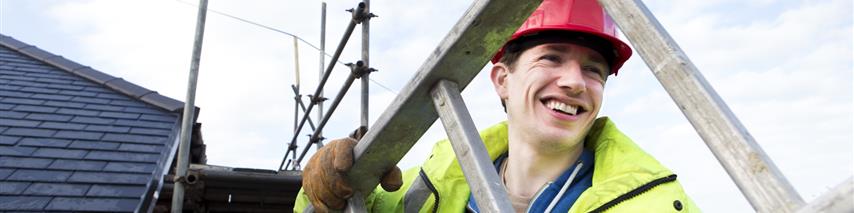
(625, 179)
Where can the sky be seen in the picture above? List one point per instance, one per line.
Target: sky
(783, 67)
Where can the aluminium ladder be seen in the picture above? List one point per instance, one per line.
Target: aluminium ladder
(470, 44)
(482, 30)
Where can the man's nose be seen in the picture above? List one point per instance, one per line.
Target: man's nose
(571, 79)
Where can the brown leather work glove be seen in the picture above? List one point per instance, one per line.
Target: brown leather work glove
(324, 178)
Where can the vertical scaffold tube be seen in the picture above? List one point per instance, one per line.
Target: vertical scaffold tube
(189, 112)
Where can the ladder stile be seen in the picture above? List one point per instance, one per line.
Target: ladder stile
(469, 149)
(479, 33)
(754, 173)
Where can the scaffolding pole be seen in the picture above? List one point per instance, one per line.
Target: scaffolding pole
(322, 65)
(316, 98)
(366, 40)
(189, 113)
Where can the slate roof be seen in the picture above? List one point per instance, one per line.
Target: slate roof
(76, 139)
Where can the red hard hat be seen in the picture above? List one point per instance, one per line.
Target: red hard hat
(584, 16)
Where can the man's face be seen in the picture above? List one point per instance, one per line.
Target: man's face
(553, 92)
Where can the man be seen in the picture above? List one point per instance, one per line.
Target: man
(552, 153)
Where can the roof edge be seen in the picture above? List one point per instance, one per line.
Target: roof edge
(117, 84)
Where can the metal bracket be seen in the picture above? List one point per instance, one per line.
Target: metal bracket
(359, 69)
(360, 14)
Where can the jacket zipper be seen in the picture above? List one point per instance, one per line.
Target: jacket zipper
(637, 191)
(432, 189)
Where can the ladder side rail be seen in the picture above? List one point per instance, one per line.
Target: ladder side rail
(751, 169)
(839, 199)
(479, 33)
(469, 148)
(316, 98)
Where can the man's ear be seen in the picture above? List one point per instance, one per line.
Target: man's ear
(499, 75)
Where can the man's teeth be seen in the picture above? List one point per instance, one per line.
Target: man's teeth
(568, 109)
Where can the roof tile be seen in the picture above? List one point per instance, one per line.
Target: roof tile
(134, 138)
(16, 93)
(35, 52)
(96, 145)
(59, 125)
(64, 86)
(122, 156)
(92, 120)
(57, 189)
(147, 124)
(18, 123)
(90, 100)
(23, 203)
(81, 165)
(49, 117)
(31, 108)
(52, 97)
(71, 134)
(64, 63)
(102, 128)
(105, 177)
(10, 114)
(12, 43)
(16, 151)
(54, 80)
(39, 90)
(77, 112)
(93, 75)
(20, 131)
(8, 140)
(82, 82)
(60, 153)
(127, 103)
(146, 131)
(39, 175)
(9, 87)
(78, 93)
(116, 191)
(123, 115)
(103, 107)
(130, 167)
(128, 88)
(21, 100)
(64, 104)
(7, 188)
(17, 77)
(143, 110)
(5, 173)
(6, 106)
(45, 142)
(158, 118)
(141, 148)
(93, 204)
(113, 96)
(97, 89)
(24, 162)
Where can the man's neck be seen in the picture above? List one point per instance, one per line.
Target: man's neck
(530, 164)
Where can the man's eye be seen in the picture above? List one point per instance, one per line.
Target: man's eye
(552, 58)
(594, 70)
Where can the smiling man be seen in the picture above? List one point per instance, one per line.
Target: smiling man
(552, 154)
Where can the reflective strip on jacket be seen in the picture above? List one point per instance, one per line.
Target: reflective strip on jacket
(625, 179)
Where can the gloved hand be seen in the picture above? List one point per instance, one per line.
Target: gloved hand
(324, 177)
